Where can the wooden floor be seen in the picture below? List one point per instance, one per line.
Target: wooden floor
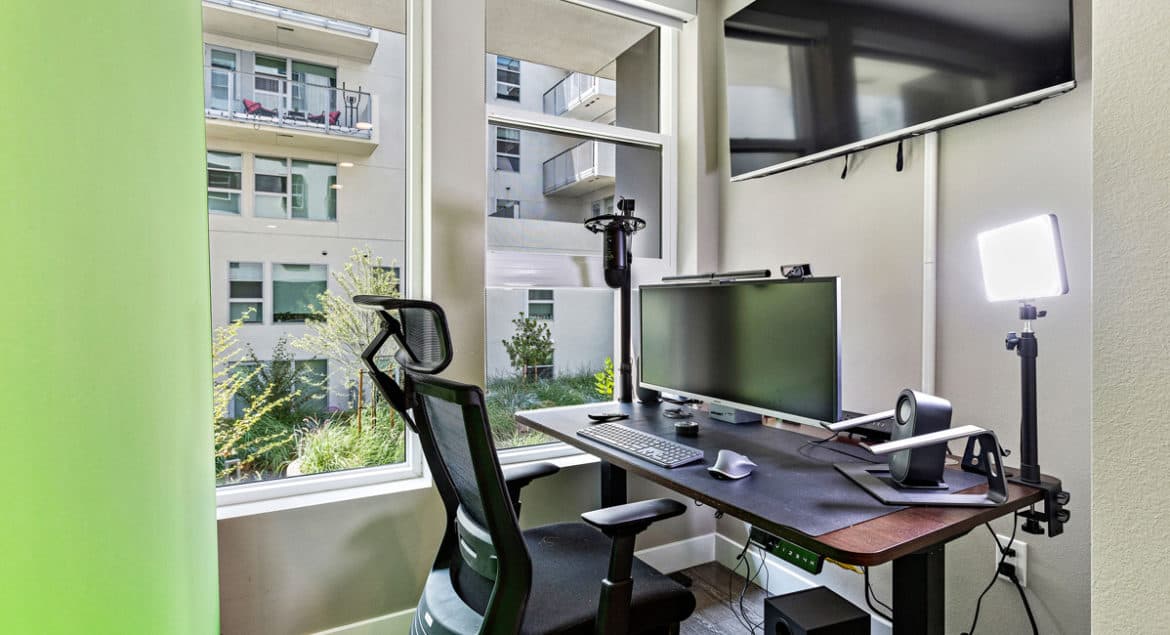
(713, 615)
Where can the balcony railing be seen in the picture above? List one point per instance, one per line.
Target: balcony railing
(272, 100)
(587, 161)
(573, 90)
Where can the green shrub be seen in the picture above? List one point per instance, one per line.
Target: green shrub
(507, 395)
(337, 445)
(261, 449)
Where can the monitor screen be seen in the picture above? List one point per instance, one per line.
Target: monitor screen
(770, 346)
(811, 79)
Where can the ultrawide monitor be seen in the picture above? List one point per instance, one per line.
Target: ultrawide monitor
(770, 346)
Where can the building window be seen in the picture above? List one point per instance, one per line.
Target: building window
(270, 80)
(295, 289)
(287, 188)
(246, 292)
(507, 208)
(602, 206)
(507, 78)
(507, 149)
(570, 172)
(540, 304)
(224, 177)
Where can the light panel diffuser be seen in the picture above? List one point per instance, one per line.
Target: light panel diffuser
(1023, 260)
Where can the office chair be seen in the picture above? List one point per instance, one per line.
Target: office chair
(489, 576)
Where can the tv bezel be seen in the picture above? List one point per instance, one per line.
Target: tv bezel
(779, 414)
(934, 125)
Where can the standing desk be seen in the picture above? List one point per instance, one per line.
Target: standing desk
(794, 499)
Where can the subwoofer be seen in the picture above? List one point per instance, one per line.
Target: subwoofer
(816, 611)
(916, 414)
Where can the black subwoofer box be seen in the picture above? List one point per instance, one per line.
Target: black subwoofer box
(816, 611)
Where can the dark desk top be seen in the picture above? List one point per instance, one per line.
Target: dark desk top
(795, 493)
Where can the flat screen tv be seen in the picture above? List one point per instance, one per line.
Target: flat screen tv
(808, 80)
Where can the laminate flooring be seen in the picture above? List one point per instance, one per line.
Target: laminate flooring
(713, 615)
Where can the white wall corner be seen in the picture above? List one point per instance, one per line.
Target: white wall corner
(681, 554)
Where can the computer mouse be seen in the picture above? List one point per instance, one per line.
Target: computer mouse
(731, 466)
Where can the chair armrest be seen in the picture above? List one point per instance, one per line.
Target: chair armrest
(633, 518)
(516, 478)
(622, 524)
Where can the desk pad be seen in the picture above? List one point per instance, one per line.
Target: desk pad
(795, 485)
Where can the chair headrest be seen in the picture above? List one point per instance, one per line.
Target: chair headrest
(418, 327)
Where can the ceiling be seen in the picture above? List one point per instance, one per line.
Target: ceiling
(560, 34)
(550, 32)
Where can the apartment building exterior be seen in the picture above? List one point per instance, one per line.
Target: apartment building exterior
(306, 142)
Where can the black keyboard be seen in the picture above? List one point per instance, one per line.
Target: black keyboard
(643, 445)
(880, 430)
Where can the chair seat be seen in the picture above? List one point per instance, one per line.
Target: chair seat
(569, 561)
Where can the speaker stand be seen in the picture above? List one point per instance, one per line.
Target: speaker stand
(876, 480)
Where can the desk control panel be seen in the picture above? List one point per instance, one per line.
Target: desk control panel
(793, 554)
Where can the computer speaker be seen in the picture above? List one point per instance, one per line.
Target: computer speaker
(916, 414)
(815, 611)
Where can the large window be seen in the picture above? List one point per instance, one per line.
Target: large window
(287, 188)
(550, 317)
(295, 289)
(292, 397)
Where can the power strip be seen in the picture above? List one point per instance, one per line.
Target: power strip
(800, 557)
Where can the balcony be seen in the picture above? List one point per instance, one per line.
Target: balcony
(259, 22)
(581, 96)
(260, 108)
(584, 168)
(540, 236)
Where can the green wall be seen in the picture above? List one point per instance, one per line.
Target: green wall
(107, 485)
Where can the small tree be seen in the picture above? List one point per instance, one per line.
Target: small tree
(530, 346)
(241, 442)
(603, 381)
(339, 330)
(283, 376)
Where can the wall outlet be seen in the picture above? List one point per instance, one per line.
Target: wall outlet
(1019, 560)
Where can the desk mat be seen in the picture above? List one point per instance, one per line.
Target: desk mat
(795, 485)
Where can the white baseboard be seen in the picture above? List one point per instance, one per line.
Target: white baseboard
(390, 624)
(681, 554)
(779, 577)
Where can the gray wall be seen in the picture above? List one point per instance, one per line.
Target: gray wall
(319, 567)
(1131, 367)
(868, 230)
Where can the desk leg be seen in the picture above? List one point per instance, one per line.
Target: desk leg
(613, 485)
(920, 593)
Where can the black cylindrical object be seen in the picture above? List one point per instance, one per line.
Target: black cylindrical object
(617, 264)
(626, 394)
(1029, 460)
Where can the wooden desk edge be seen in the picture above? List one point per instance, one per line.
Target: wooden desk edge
(904, 531)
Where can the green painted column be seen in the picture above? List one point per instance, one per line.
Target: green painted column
(109, 513)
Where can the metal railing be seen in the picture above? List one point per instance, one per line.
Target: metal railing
(573, 89)
(273, 100)
(295, 16)
(584, 160)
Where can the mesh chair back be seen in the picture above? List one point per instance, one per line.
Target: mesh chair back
(419, 330)
(490, 564)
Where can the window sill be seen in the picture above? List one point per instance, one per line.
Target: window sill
(310, 499)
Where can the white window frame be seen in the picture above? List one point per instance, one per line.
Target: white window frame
(510, 155)
(515, 205)
(260, 321)
(288, 194)
(500, 82)
(550, 303)
(503, 115)
(227, 190)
